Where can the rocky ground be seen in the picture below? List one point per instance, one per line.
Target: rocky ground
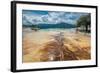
(55, 46)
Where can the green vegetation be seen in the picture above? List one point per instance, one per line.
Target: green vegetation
(34, 27)
(84, 22)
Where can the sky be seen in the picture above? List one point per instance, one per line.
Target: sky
(35, 17)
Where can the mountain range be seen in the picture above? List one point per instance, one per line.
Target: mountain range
(45, 26)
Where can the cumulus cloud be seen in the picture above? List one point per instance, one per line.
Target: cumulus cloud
(49, 17)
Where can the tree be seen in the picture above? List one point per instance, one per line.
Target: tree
(34, 27)
(85, 22)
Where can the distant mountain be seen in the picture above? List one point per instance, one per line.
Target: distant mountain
(60, 25)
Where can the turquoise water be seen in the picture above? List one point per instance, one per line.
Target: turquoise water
(59, 30)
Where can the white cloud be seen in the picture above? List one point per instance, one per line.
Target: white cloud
(51, 18)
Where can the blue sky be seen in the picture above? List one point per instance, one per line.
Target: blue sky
(49, 17)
